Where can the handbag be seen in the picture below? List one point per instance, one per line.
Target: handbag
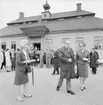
(27, 69)
(74, 74)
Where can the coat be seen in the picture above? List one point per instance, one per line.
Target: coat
(21, 77)
(1, 58)
(82, 65)
(93, 59)
(56, 59)
(66, 68)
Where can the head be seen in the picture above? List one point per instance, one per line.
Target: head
(24, 44)
(67, 43)
(93, 49)
(82, 45)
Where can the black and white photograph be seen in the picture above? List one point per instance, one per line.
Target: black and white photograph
(51, 52)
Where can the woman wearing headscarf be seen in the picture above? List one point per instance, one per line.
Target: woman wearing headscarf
(82, 57)
(22, 68)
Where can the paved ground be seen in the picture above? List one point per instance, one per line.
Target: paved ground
(44, 92)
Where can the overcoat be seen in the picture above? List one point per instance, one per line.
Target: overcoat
(56, 59)
(82, 65)
(66, 67)
(93, 59)
(21, 77)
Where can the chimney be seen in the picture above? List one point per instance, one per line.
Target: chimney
(21, 15)
(79, 6)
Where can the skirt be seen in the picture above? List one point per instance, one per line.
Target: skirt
(20, 78)
(82, 70)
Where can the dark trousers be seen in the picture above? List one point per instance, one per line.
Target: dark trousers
(68, 83)
(3, 64)
(94, 70)
(13, 64)
(56, 69)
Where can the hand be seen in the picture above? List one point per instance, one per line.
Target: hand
(37, 59)
(69, 60)
(85, 59)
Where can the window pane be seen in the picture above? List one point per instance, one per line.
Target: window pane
(64, 39)
(98, 42)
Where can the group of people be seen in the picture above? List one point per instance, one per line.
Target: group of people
(72, 65)
(76, 65)
(7, 59)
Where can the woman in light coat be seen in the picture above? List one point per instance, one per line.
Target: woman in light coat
(82, 57)
(8, 60)
(21, 74)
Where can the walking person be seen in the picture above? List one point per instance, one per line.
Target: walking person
(56, 62)
(1, 57)
(66, 57)
(22, 69)
(4, 60)
(93, 61)
(82, 57)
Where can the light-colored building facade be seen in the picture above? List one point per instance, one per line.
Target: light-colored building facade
(51, 30)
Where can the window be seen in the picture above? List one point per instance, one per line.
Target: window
(64, 39)
(13, 45)
(3, 45)
(77, 40)
(98, 42)
(49, 42)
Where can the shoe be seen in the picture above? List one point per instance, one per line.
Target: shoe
(71, 92)
(82, 89)
(19, 99)
(57, 88)
(28, 96)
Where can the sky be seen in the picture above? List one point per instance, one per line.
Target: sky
(9, 9)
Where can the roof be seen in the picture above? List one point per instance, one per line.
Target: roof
(85, 23)
(75, 24)
(10, 30)
(53, 16)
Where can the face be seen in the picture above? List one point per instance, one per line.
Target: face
(26, 46)
(81, 46)
(67, 45)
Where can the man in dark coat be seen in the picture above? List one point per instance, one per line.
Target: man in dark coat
(66, 57)
(93, 60)
(56, 62)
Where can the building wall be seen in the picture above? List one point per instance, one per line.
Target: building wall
(88, 38)
(54, 41)
(8, 41)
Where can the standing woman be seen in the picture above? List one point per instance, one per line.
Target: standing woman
(8, 60)
(82, 57)
(21, 75)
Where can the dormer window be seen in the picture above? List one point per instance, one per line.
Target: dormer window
(79, 17)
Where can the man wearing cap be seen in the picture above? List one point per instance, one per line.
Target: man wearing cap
(66, 59)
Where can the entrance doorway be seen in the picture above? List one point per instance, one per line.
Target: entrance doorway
(38, 45)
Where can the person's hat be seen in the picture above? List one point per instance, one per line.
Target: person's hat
(82, 43)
